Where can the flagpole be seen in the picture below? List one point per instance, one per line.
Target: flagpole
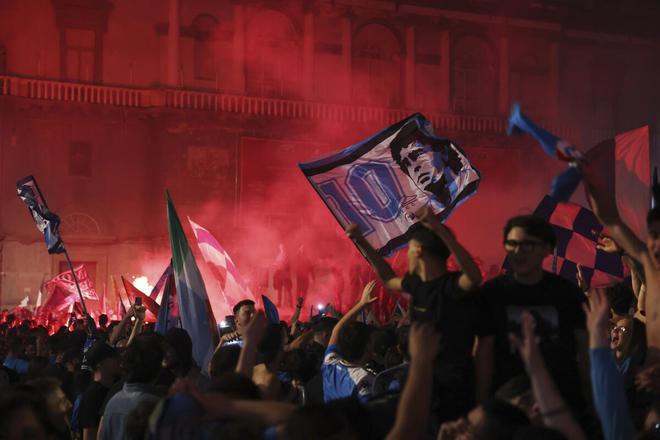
(75, 279)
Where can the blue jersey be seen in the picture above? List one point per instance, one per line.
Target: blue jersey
(341, 379)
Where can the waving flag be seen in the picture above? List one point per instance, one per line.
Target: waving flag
(195, 311)
(168, 314)
(270, 309)
(381, 182)
(61, 290)
(576, 229)
(222, 266)
(564, 185)
(133, 292)
(47, 222)
(621, 166)
(157, 292)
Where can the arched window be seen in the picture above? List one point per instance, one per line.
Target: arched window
(273, 65)
(377, 66)
(473, 77)
(204, 27)
(529, 79)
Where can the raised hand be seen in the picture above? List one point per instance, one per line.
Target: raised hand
(579, 276)
(607, 244)
(139, 311)
(366, 298)
(428, 219)
(353, 232)
(526, 343)
(649, 379)
(598, 315)
(254, 331)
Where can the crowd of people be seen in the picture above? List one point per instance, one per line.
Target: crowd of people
(524, 355)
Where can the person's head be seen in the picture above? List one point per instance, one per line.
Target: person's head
(538, 433)
(142, 359)
(103, 320)
(178, 351)
(16, 347)
(494, 420)
(243, 314)
(339, 419)
(235, 386)
(104, 360)
(528, 240)
(425, 245)
(354, 340)
(23, 414)
(57, 404)
(653, 236)
(224, 359)
(628, 337)
(323, 330)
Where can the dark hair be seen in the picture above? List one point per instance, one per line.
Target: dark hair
(538, 433)
(300, 364)
(270, 345)
(431, 243)
(343, 418)
(621, 298)
(325, 324)
(406, 136)
(534, 226)
(224, 359)
(353, 340)
(142, 358)
(235, 386)
(12, 402)
(653, 216)
(245, 302)
(179, 341)
(502, 420)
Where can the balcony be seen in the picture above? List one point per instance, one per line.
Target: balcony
(265, 107)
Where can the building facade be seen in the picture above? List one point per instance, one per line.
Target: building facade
(109, 103)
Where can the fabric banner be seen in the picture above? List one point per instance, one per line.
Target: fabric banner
(47, 222)
(61, 290)
(168, 314)
(133, 293)
(577, 229)
(232, 284)
(381, 182)
(195, 312)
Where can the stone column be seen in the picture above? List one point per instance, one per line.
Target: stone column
(409, 70)
(172, 79)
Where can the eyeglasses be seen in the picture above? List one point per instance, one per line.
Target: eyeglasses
(619, 329)
(524, 245)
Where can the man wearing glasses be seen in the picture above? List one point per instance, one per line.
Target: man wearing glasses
(556, 303)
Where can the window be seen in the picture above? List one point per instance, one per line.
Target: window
(273, 64)
(377, 66)
(473, 80)
(204, 27)
(79, 53)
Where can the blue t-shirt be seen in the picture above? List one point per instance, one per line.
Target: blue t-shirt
(341, 379)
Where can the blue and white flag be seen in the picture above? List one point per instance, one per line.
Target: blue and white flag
(381, 182)
(270, 309)
(47, 222)
(564, 185)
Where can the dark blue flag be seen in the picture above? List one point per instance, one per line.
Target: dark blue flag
(272, 314)
(47, 222)
(564, 185)
(168, 312)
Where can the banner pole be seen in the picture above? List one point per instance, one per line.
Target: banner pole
(75, 279)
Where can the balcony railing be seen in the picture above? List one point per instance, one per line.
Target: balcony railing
(266, 107)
